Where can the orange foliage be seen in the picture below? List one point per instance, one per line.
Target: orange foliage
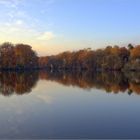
(135, 52)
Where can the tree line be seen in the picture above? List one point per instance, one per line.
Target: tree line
(21, 56)
(109, 58)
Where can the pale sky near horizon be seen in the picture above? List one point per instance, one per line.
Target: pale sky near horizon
(53, 26)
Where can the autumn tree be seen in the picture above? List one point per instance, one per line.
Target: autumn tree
(135, 52)
(7, 56)
(25, 56)
(130, 46)
(17, 56)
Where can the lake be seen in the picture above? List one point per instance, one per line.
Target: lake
(43, 104)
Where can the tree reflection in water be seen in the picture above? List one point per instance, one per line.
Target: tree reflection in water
(112, 82)
(17, 82)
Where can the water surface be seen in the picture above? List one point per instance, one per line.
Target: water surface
(69, 105)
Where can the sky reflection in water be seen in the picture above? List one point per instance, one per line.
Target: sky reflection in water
(69, 105)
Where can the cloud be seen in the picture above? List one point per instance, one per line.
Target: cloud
(12, 10)
(19, 22)
(46, 36)
(10, 3)
(46, 98)
(17, 32)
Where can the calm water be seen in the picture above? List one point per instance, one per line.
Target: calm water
(69, 105)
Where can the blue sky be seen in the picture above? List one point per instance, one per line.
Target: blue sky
(53, 26)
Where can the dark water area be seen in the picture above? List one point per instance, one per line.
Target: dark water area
(48, 104)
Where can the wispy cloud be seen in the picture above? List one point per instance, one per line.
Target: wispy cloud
(46, 36)
(27, 22)
(12, 10)
(46, 98)
(19, 30)
(10, 3)
(19, 22)
(16, 32)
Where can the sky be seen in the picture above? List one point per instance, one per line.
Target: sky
(54, 26)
